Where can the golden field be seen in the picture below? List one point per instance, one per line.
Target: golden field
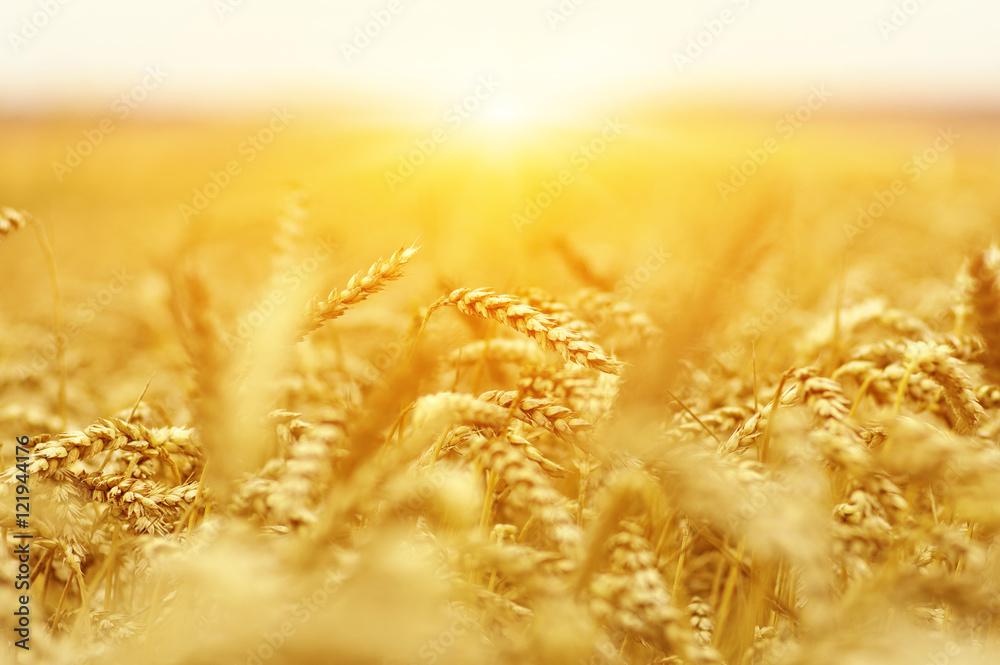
(733, 397)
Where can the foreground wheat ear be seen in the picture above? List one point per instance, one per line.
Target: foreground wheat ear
(359, 287)
(511, 311)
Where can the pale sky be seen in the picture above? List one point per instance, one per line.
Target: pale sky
(218, 52)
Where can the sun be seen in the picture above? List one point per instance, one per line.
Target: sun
(507, 113)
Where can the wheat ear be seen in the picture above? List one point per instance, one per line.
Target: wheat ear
(359, 287)
(634, 596)
(56, 454)
(530, 490)
(146, 506)
(936, 361)
(512, 312)
(542, 413)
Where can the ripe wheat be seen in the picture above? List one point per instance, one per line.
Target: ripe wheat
(523, 496)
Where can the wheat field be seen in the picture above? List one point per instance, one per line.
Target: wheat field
(681, 408)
